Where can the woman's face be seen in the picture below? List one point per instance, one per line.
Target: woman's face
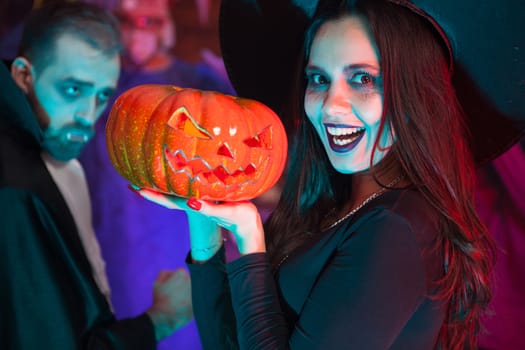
(344, 99)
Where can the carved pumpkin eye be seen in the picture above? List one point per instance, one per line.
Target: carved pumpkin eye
(261, 140)
(182, 120)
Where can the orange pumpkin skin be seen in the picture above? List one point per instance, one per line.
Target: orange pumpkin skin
(195, 143)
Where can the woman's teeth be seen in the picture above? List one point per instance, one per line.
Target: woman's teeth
(344, 136)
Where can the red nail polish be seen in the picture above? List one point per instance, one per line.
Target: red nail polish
(194, 204)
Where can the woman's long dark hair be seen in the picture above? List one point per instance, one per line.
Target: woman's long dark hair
(432, 151)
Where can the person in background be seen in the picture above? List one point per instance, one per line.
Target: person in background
(136, 237)
(55, 293)
(149, 35)
(375, 242)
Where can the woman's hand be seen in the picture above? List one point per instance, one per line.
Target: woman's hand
(205, 218)
(240, 218)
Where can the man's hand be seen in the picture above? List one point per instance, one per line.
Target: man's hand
(171, 307)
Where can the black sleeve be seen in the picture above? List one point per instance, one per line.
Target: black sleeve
(46, 300)
(260, 321)
(212, 305)
(361, 300)
(130, 333)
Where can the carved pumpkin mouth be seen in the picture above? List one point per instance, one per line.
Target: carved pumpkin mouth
(199, 170)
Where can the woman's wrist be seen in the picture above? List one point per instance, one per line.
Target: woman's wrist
(201, 254)
(205, 237)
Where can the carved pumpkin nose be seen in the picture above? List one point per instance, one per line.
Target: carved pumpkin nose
(225, 150)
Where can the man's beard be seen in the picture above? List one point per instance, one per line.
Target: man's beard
(42, 117)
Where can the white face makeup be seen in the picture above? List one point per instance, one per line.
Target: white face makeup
(72, 92)
(343, 99)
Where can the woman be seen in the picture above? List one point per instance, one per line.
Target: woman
(374, 243)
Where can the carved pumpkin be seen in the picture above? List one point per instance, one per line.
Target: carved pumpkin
(195, 143)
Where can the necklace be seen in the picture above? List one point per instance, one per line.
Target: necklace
(363, 203)
(351, 212)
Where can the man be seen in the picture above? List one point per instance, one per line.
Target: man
(140, 234)
(54, 291)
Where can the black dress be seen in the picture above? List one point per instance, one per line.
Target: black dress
(365, 284)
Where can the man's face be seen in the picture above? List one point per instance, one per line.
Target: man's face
(71, 92)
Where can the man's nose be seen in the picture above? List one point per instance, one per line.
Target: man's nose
(86, 115)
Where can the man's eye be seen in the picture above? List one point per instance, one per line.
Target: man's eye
(105, 95)
(72, 91)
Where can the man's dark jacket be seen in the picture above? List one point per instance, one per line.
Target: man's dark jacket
(48, 297)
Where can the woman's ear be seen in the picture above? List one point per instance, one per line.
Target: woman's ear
(22, 73)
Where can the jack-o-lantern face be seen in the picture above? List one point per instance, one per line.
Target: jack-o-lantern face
(195, 143)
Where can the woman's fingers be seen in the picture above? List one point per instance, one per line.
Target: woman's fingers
(240, 218)
(225, 214)
(167, 201)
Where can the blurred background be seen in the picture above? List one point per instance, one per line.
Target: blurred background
(196, 27)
